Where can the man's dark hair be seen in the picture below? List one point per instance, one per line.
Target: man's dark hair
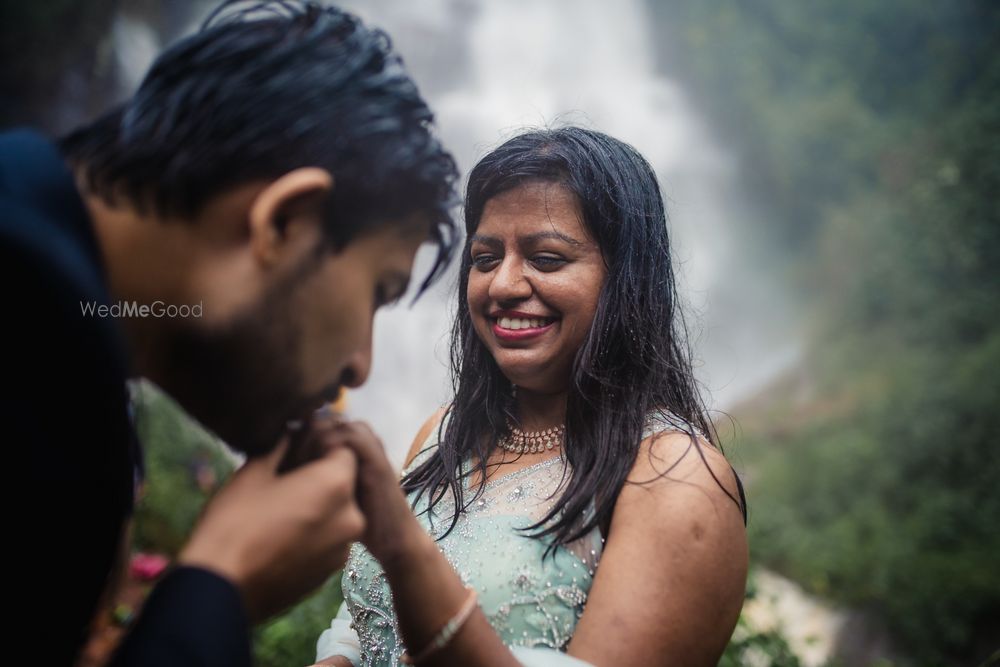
(264, 88)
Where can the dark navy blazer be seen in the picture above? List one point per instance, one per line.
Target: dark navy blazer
(72, 458)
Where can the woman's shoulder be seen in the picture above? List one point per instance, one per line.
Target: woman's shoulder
(426, 436)
(677, 466)
(662, 421)
(685, 488)
(667, 454)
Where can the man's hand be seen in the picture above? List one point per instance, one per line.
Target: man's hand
(279, 536)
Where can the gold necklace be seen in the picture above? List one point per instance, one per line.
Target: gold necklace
(532, 442)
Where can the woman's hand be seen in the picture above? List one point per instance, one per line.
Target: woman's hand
(391, 530)
(426, 591)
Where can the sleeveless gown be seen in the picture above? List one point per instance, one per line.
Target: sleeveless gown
(533, 603)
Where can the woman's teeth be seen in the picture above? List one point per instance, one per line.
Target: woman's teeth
(515, 323)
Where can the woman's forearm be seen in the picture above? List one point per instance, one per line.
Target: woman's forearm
(427, 594)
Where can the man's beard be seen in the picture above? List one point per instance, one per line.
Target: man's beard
(242, 380)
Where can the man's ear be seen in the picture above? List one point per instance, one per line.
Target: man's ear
(298, 193)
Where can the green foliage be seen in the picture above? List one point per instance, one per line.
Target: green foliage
(758, 647)
(810, 92)
(185, 464)
(179, 453)
(871, 132)
(291, 638)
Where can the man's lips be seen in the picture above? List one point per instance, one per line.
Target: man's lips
(331, 394)
(300, 447)
(318, 403)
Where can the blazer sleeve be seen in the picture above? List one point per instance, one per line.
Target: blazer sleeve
(69, 468)
(193, 618)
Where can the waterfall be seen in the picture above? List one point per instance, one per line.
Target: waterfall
(489, 69)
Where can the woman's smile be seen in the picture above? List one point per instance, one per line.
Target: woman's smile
(534, 282)
(512, 325)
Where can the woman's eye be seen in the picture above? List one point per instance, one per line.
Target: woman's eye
(483, 261)
(547, 262)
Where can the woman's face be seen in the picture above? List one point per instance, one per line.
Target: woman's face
(534, 283)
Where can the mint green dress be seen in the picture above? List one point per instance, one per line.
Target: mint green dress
(533, 603)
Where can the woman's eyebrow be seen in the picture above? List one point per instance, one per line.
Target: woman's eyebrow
(494, 242)
(551, 235)
(491, 242)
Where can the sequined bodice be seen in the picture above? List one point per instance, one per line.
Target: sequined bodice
(529, 600)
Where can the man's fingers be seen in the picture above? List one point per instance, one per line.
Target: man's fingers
(336, 466)
(350, 525)
(365, 427)
(360, 438)
(272, 459)
(265, 462)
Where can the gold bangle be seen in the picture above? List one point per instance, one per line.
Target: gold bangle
(446, 633)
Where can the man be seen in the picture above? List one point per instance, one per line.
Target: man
(229, 233)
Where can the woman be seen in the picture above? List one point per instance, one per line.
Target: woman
(598, 523)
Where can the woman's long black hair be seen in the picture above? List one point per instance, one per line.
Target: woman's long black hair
(634, 362)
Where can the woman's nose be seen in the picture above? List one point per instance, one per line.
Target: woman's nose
(509, 282)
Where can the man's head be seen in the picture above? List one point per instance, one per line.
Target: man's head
(278, 168)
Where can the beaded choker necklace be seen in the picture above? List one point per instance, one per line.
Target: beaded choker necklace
(533, 442)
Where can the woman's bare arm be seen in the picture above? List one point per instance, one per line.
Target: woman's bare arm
(425, 431)
(671, 580)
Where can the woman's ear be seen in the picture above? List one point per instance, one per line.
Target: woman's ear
(299, 193)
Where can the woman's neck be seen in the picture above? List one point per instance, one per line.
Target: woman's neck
(538, 412)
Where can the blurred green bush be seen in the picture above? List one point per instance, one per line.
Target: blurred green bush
(870, 133)
(185, 464)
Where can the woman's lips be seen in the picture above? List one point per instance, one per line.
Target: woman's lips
(502, 328)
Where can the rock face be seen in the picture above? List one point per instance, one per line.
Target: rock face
(811, 626)
(863, 640)
(815, 630)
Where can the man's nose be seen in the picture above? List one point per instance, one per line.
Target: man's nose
(358, 365)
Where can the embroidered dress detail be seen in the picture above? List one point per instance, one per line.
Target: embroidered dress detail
(531, 601)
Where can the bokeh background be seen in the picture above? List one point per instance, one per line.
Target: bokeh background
(833, 176)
